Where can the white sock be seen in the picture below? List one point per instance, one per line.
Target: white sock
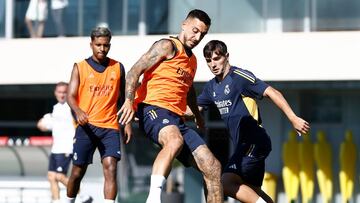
(109, 201)
(260, 200)
(56, 201)
(70, 199)
(156, 184)
(84, 197)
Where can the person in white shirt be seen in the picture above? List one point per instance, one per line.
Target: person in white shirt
(60, 122)
(57, 10)
(35, 17)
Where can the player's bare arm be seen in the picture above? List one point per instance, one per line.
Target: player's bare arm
(159, 51)
(299, 124)
(81, 116)
(192, 104)
(127, 133)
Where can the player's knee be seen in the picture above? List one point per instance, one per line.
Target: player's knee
(230, 181)
(213, 171)
(77, 174)
(59, 176)
(227, 186)
(177, 143)
(51, 177)
(174, 143)
(110, 167)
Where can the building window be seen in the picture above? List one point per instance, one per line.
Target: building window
(322, 108)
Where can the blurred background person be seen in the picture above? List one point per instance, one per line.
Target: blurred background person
(35, 17)
(57, 10)
(60, 122)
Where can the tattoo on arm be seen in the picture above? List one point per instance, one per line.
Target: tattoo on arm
(159, 51)
(131, 81)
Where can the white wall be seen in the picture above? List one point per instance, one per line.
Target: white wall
(276, 57)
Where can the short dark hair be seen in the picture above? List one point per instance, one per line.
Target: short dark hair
(62, 84)
(201, 15)
(215, 46)
(100, 32)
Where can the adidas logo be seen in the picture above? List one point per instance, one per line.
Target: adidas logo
(59, 169)
(233, 166)
(165, 121)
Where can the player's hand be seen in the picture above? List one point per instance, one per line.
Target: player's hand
(81, 117)
(126, 112)
(189, 116)
(301, 126)
(127, 133)
(41, 125)
(200, 123)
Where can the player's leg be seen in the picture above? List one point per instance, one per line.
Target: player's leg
(160, 125)
(73, 186)
(109, 148)
(236, 188)
(262, 194)
(62, 170)
(84, 148)
(54, 186)
(63, 163)
(62, 178)
(51, 175)
(171, 141)
(110, 173)
(210, 167)
(243, 175)
(203, 160)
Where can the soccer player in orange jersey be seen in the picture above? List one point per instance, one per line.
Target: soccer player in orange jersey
(95, 86)
(167, 87)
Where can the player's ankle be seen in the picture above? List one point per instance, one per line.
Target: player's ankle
(260, 200)
(70, 199)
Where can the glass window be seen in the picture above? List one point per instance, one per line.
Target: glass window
(20, 29)
(2, 18)
(293, 14)
(157, 16)
(241, 16)
(115, 16)
(337, 15)
(321, 108)
(71, 20)
(133, 16)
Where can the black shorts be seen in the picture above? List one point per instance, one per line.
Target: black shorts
(248, 162)
(59, 163)
(89, 137)
(152, 119)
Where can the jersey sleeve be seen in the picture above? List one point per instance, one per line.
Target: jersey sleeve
(48, 121)
(252, 86)
(204, 99)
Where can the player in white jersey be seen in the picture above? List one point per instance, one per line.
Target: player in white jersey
(60, 122)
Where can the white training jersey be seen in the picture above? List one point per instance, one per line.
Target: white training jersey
(59, 4)
(60, 122)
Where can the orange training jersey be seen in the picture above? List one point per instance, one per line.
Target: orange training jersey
(167, 84)
(98, 93)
